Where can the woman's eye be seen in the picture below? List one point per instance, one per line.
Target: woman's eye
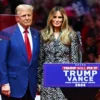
(54, 17)
(57, 17)
(60, 17)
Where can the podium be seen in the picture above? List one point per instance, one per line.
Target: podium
(78, 81)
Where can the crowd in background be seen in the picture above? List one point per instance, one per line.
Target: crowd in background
(84, 17)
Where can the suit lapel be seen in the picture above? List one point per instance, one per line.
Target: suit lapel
(21, 43)
(34, 44)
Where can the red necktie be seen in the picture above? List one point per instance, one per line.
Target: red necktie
(27, 44)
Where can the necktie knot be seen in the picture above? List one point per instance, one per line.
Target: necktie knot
(26, 31)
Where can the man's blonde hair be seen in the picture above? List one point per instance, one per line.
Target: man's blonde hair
(22, 7)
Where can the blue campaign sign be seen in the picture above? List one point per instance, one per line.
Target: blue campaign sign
(72, 75)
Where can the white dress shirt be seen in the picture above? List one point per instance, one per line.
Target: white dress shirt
(29, 35)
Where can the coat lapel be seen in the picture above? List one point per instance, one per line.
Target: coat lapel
(34, 44)
(21, 43)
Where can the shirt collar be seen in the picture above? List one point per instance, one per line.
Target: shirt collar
(22, 29)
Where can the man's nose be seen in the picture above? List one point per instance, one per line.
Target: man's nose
(27, 17)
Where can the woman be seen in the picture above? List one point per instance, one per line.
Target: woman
(59, 44)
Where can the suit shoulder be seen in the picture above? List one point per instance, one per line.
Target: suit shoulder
(10, 29)
(35, 30)
(7, 32)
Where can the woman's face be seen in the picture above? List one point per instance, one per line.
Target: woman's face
(57, 19)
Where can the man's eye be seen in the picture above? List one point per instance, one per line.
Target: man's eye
(29, 15)
(23, 15)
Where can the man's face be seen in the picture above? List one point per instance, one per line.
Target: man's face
(24, 18)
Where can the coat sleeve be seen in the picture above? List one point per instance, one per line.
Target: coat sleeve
(75, 48)
(4, 45)
(41, 61)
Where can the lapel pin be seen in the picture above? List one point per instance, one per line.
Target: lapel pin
(34, 36)
(0, 39)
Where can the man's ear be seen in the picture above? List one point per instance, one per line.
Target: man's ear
(17, 18)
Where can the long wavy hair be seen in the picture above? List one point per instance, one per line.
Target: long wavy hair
(47, 32)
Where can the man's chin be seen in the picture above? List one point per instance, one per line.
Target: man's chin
(26, 26)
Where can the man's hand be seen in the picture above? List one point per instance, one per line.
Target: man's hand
(5, 89)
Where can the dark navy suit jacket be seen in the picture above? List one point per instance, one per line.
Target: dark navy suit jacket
(14, 66)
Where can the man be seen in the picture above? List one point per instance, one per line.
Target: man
(19, 58)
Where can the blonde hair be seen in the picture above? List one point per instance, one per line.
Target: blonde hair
(22, 7)
(65, 29)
